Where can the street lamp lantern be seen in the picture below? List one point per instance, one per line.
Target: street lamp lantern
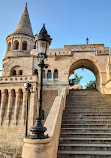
(43, 42)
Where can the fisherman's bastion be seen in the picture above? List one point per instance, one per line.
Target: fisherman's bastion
(78, 122)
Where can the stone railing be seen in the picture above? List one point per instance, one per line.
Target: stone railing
(47, 148)
(108, 87)
(11, 79)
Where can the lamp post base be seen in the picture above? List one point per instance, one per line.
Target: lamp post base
(38, 130)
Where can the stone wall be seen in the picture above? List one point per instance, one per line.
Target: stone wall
(48, 99)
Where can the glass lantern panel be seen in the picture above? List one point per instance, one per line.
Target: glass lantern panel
(42, 47)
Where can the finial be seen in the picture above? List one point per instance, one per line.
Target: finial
(26, 4)
(87, 40)
(43, 24)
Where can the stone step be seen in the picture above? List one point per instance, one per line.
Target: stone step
(86, 113)
(84, 154)
(73, 116)
(72, 121)
(94, 130)
(88, 140)
(85, 147)
(86, 125)
(85, 135)
(91, 110)
(88, 106)
(86, 119)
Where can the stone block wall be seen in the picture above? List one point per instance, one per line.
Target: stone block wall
(48, 99)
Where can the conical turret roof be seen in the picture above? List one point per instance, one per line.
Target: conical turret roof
(24, 25)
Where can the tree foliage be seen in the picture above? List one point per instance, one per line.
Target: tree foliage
(91, 85)
(75, 80)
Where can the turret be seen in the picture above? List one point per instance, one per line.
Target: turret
(21, 42)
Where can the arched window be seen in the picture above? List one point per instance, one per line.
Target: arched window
(44, 74)
(20, 72)
(56, 74)
(35, 72)
(24, 45)
(16, 45)
(49, 74)
(9, 46)
(14, 73)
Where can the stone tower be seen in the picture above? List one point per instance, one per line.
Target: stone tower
(19, 43)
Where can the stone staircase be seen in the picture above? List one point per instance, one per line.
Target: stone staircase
(86, 125)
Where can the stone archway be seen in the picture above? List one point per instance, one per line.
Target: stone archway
(90, 65)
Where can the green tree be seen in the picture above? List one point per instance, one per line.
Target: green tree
(75, 80)
(91, 85)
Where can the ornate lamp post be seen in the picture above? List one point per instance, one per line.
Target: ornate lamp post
(43, 43)
(28, 87)
(87, 40)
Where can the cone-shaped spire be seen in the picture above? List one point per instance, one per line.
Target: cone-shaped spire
(24, 25)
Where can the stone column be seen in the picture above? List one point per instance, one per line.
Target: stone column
(17, 101)
(32, 108)
(2, 107)
(9, 108)
(41, 148)
(24, 107)
(20, 43)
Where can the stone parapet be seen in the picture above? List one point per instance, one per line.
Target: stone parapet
(47, 148)
(14, 79)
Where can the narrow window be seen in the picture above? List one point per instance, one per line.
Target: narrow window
(16, 45)
(24, 45)
(44, 74)
(20, 72)
(56, 74)
(35, 72)
(9, 46)
(49, 74)
(14, 73)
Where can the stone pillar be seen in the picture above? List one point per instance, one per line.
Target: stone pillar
(12, 45)
(52, 77)
(17, 101)
(20, 44)
(24, 107)
(2, 107)
(41, 148)
(32, 109)
(9, 108)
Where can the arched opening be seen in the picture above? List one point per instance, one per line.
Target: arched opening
(20, 72)
(16, 70)
(24, 45)
(16, 45)
(49, 74)
(14, 73)
(35, 72)
(90, 65)
(55, 74)
(9, 46)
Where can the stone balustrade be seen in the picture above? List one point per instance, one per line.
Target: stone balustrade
(11, 79)
(69, 49)
(47, 148)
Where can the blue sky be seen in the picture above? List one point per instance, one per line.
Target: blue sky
(67, 21)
